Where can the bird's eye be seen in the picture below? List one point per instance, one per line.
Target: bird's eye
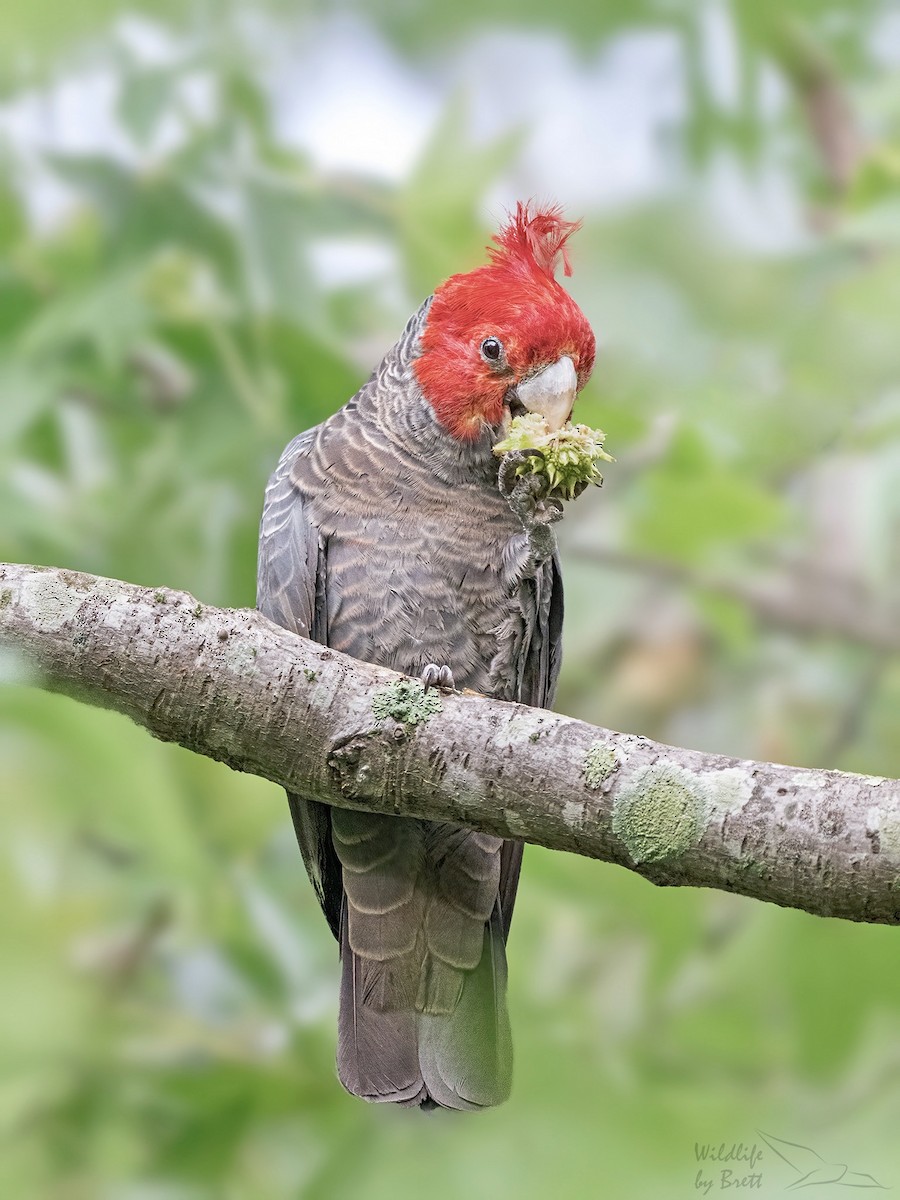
(491, 349)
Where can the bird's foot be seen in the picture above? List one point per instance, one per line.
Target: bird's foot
(526, 495)
(435, 676)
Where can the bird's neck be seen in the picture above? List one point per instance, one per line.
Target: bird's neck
(395, 402)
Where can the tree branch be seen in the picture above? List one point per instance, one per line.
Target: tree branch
(228, 684)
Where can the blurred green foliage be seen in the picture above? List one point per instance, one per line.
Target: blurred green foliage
(167, 1008)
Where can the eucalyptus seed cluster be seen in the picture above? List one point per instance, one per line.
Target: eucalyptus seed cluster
(568, 457)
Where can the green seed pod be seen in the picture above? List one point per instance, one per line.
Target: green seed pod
(570, 455)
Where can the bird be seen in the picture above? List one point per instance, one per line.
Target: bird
(388, 533)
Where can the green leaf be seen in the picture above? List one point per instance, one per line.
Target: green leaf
(110, 315)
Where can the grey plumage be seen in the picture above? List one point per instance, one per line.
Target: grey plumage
(387, 539)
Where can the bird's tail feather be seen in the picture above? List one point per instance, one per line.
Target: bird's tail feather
(466, 1056)
(423, 993)
(377, 1055)
(460, 1059)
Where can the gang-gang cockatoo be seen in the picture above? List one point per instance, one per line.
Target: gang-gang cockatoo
(387, 535)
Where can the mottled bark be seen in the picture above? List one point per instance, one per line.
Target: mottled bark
(230, 685)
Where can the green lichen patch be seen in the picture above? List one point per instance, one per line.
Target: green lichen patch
(406, 701)
(197, 611)
(159, 597)
(599, 763)
(661, 812)
(5, 597)
(311, 675)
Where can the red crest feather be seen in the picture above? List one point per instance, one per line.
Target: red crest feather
(535, 237)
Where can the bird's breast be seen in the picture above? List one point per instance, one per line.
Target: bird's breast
(421, 582)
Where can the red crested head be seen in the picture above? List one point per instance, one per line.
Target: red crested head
(502, 325)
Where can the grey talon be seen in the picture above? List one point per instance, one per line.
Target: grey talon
(507, 478)
(435, 676)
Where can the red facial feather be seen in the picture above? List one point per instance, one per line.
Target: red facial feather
(516, 299)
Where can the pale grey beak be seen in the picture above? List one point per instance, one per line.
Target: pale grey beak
(551, 392)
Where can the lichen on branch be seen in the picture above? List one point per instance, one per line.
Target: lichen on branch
(229, 684)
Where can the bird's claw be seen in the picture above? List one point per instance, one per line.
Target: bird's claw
(435, 676)
(507, 479)
(527, 493)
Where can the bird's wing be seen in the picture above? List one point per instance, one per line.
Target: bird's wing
(290, 549)
(544, 656)
(290, 590)
(537, 688)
